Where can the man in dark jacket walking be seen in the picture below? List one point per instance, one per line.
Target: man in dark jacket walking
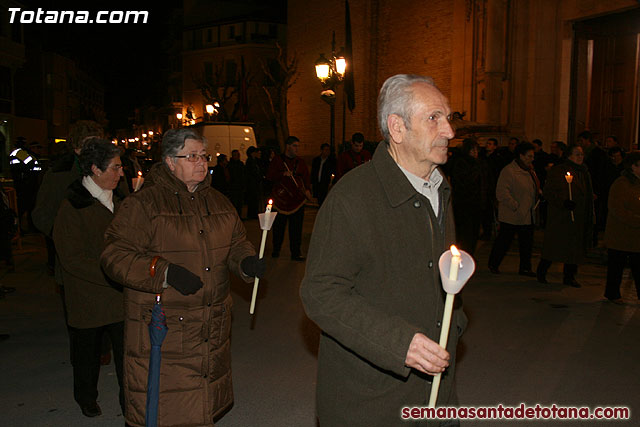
(323, 169)
(372, 282)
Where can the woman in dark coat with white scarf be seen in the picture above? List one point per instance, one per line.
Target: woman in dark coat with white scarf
(94, 303)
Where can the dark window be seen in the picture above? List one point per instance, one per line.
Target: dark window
(273, 30)
(16, 32)
(232, 32)
(208, 72)
(209, 35)
(231, 70)
(5, 84)
(197, 39)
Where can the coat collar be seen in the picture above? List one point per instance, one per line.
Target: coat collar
(80, 198)
(395, 184)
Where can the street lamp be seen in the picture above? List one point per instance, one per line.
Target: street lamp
(211, 109)
(331, 72)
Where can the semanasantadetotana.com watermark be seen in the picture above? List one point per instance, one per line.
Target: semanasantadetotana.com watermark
(40, 16)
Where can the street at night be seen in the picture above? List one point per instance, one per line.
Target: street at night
(149, 150)
(526, 343)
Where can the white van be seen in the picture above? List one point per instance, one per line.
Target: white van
(224, 137)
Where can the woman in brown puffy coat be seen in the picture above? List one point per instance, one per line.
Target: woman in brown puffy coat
(179, 237)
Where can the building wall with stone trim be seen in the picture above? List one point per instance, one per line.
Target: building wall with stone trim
(503, 62)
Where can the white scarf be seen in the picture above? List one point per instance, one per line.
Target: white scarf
(104, 196)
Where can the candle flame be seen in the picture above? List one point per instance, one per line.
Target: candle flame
(270, 202)
(454, 251)
(568, 173)
(140, 173)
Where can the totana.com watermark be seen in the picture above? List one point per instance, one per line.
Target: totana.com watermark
(41, 16)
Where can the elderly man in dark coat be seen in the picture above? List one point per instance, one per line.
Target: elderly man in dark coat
(372, 282)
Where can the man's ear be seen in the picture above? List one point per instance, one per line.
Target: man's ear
(397, 128)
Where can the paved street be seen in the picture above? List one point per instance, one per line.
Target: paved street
(526, 342)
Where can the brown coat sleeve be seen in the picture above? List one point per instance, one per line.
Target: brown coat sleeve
(125, 257)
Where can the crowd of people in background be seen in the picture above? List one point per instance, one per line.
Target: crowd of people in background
(519, 188)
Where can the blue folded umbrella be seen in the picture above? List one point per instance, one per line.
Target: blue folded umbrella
(157, 332)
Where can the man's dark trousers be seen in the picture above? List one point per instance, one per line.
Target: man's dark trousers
(295, 231)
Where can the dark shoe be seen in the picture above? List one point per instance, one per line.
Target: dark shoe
(91, 409)
(494, 270)
(297, 258)
(618, 301)
(542, 278)
(275, 254)
(527, 273)
(572, 283)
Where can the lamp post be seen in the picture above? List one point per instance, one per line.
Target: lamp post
(330, 72)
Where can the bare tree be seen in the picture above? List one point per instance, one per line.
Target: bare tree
(281, 77)
(216, 89)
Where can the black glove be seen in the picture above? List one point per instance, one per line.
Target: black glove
(569, 205)
(183, 280)
(253, 266)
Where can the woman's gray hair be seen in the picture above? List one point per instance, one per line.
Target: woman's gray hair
(99, 152)
(174, 139)
(396, 97)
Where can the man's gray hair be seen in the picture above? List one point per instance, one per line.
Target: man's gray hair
(396, 97)
(174, 139)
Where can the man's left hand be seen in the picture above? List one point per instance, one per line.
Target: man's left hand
(425, 355)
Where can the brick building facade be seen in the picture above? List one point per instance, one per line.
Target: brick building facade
(517, 65)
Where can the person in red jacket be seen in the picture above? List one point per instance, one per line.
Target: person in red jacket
(354, 157)
(290, 191)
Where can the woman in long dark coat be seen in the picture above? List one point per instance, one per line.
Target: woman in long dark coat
(567, 237)
(95, 305)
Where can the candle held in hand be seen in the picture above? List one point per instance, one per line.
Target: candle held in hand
(569, 178)
(266, 226)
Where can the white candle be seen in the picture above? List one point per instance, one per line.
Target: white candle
(262, 245)
(569, 180)
(137, 182)
(455, 263)
(446, 321)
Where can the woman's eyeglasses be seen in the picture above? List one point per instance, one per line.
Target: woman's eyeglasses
(195, 157)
